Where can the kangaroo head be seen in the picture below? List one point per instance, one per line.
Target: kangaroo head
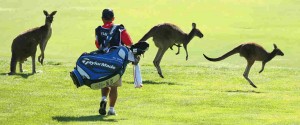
(278, 51)
(49, 17)
(196, 31)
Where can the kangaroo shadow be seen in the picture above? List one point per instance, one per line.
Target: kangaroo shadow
(243, 91)
(53, 63)
(18, 74)
(82, 118)
(153, 82)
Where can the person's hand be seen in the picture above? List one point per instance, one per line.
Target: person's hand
(137, 60)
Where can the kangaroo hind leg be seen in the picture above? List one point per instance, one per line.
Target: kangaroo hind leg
(247, 70)
(157, 60)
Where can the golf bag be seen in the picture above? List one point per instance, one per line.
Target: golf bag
(98, 70)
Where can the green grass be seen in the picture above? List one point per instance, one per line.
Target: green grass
(193, 92)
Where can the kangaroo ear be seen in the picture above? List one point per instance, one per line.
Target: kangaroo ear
(46, 13)
(275, 47)
(194, 25)
(53, 13)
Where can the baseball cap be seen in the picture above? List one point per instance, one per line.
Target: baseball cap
(107, 14)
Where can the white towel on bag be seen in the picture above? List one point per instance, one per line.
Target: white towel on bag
(138, 83)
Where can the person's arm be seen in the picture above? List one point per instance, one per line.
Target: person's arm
(126, 38)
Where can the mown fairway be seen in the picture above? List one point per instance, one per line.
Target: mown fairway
(193, 92)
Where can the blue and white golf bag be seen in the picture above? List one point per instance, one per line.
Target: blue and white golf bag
(98, 70)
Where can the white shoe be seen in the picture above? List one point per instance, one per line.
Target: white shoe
(111, 112)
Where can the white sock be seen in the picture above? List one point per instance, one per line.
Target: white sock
(104, 98)
(111, 109)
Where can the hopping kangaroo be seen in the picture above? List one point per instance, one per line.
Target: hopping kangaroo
(25, 44)
(165, 36)
(252, 52)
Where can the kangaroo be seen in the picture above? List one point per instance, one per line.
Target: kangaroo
(166, 35)
(25, 44)
(252, 52)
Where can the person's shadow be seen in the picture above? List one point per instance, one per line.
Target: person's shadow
(83, 118)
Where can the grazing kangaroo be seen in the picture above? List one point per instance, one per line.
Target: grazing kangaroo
(165, 36)
(25, 44)
(252, 52)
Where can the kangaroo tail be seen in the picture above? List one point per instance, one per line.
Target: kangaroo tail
(149, 34)
(234, 51)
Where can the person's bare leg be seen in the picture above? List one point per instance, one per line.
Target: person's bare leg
(105, 91)
(113, 96)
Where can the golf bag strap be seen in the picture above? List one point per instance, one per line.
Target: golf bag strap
(112, 32)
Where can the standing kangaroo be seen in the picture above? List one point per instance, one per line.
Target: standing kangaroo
(252, 52)
(25, 44)
(165, 36)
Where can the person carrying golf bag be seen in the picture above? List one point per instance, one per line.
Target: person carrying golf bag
(103, 68)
